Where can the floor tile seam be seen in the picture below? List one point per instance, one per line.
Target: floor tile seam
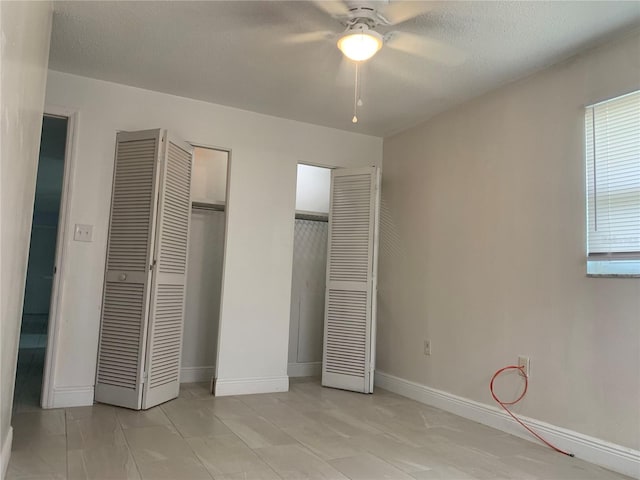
(184, 439)
(253, 450)
(377, 431)
(66, 443)
(447, 462)
(266, 462)
(84, 464)
(257, 414)
(216, 417)
(281, 403)
(304, 447)
(239, 397)
(311, 450)
(232, 431)
(241, 440)
(129, 449)
(389, 464)
(298, 410)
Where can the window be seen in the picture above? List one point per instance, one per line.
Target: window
(612, 136)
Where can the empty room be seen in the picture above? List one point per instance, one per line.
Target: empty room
(320, 240)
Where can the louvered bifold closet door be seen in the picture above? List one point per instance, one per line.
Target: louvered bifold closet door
(349, 325)
(166, 320)
(128, 277)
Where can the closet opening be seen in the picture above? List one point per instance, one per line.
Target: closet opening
(40, 287)
(205, 264)
(306, 327)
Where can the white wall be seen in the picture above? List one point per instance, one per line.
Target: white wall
(252, 353)
(25, 30)
(483, 252)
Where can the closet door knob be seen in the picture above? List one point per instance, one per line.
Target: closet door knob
(122, 277)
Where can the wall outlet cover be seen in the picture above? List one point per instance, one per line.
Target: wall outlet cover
(526, 366)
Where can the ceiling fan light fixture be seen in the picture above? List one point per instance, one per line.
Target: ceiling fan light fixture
(359, 43)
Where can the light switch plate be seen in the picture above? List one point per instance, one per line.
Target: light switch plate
(83, 233)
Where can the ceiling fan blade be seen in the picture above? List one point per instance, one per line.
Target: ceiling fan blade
(386, 71)
(332, 7)
(309, 37)
(425, 47)
(400, 12)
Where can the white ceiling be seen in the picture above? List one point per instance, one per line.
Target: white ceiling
(236, 53)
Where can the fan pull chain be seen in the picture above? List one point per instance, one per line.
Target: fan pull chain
(359, 102)
(355, 97)
(357, 93)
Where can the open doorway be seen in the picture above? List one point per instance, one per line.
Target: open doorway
(205, 264)
(306, 325)
(41, 268)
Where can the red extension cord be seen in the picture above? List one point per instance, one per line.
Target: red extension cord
(524, 392)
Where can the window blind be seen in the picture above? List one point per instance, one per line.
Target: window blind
(612, 135)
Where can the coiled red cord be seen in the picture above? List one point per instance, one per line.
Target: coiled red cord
(524, 392)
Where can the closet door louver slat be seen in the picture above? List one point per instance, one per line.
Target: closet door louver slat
(127, 278)
(169, 281)
(350, 296)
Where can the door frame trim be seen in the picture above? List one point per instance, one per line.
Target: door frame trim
(47, 398)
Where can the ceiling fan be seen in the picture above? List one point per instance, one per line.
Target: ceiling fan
(361, 41)
(367, 29)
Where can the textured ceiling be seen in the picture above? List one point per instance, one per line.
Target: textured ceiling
(248, 55)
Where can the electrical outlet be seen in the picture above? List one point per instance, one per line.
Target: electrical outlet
(427, 347)
(526, 366)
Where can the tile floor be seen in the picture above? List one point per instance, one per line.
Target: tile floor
(309, 432)
(33, 343)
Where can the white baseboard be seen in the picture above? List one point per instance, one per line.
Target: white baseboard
(243, 386)
(72, 397)
(197, 374)
(609, 455)
(7, 441)
(310, 369)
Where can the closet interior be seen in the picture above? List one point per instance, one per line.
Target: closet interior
(309, 271)
(204, 272)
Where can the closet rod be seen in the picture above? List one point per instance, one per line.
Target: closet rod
(314, 216)
(216, 207)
